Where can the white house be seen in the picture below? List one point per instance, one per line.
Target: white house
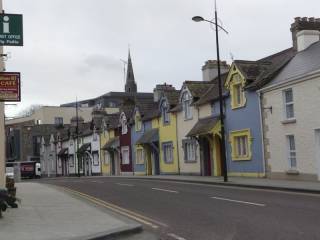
(290, 106)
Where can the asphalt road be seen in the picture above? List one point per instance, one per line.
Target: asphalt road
(185, 211)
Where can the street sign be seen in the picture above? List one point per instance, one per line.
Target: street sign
(11, 30)
(10, 87)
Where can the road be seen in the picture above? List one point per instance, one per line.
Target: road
(186, 211)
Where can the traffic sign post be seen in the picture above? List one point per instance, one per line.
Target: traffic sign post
(11, 30)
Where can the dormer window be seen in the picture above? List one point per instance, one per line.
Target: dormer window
(123, 122)
(138, 122)
(238, 98)
(165, 113)
(186, 102)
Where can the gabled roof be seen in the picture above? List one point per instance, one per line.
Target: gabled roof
(173, 97)
(203, 126)
(197, 88)
(260, 72)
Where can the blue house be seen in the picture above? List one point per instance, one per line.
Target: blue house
(243, 123)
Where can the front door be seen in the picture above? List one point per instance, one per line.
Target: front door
(113, 167)
(206, 157)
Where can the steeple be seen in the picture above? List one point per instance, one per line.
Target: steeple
(131, 85)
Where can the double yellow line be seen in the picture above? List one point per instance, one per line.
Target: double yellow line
(135, 216)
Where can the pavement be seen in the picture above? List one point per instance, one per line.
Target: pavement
(260, 183)
(48, 213)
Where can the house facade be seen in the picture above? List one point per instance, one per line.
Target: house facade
(290, 110)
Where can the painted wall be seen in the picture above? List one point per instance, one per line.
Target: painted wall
(125, 140)
(183, 128)
(104, 138)
(247, 117)
(168, 133)
(139, 169)
(95, 147)
(307, 113)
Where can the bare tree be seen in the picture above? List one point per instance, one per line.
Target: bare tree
(28, 111)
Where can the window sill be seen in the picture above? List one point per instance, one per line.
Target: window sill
(292, 172)
(190, 161)
(288, 121)
(188, 119)
(237, 107)
(241, 159)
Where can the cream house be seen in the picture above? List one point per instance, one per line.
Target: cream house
(291, 113)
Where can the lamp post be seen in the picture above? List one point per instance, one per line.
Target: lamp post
(222, 145)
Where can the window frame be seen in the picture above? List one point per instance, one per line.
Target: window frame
(287, 104)
(71, 163)
(95, 162)
(124, 126)
(165, 157)
(186, 105)
(234, 138)
(190, 143)
(142, 160)
(290, 151)
(125, 149)
(58, 121)
(165, 113)
(107, 158)
(237, 82)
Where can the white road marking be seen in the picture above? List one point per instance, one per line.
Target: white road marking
(175, 236)
(125, 184)
(237, 201)
(165, 190)
(94, 181)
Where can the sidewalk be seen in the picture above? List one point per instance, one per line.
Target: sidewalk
(48, 214)
(264, 183)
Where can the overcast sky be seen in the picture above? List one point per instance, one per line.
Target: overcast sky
(73, 47)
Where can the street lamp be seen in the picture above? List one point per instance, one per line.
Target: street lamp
(222, 145)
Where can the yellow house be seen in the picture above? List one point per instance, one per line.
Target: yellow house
(109, 145)
(168, 141)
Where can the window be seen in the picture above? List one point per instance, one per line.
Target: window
(139, 156)
(165, 113)
(186, 102)
(71, 142)
(189, 147)
(58, 121)
(291, 152)
(71, 160)
(123, 121)
(288, 104)
(125, 155)
(241, 144)
(138, 122)
(95, 156)
(237, 93)
(106, 158)
(167, 149)
(36, 140)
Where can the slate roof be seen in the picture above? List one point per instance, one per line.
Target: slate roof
(260, 72)
(172, 96)
(111, 144)
(212, 93)
(203, 126)
(112, 120)
(198, 88)
(302, 63)
(84, 147)
(63, 151)
(149, 136)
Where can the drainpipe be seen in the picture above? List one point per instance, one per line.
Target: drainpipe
(262, 133)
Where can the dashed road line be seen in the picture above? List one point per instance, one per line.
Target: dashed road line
(125, 184)
(95, 181)
(238, 201)
(138, 217)
(165, 190)
(175, 236)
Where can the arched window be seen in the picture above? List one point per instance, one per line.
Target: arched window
(186, 102)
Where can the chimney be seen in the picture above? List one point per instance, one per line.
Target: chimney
(305, 31)
(74, 121)
(160, 89)
(210, 69)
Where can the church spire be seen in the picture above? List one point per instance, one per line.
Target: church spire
(131, 85)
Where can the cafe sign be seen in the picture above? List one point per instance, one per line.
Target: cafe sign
(10, 87)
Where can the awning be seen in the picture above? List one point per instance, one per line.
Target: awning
(149, 136)
(63, 151)
(84, 147)
(203, 126)
(112, 144)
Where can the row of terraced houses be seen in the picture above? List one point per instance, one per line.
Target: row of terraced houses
(271, 113)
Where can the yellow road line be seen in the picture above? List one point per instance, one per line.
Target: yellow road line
(138, 217)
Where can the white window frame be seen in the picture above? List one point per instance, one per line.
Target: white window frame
(124, 127)
(95, 160)
(291, 152)
(287, 104)
(242, 146)
(167, 149)
(125, 161)
(186, 105)
(190, 150)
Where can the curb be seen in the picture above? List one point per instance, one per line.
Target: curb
(118, 232)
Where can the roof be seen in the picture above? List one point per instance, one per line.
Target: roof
(198, 88)
(63, 151)
(301, 64)
(212, 93)
(112, 120)
(203, 126)
(149, 136)
(172, 97)
(112, 144)
(260, 72)
(84, 147)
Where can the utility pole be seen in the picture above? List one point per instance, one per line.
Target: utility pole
(77, 135)
(2, 128)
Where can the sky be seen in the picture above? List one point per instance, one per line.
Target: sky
(73, 48)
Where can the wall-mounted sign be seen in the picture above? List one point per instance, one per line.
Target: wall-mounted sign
(11, 30)
(10, 87)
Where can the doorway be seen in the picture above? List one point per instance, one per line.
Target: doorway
(207, 166)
